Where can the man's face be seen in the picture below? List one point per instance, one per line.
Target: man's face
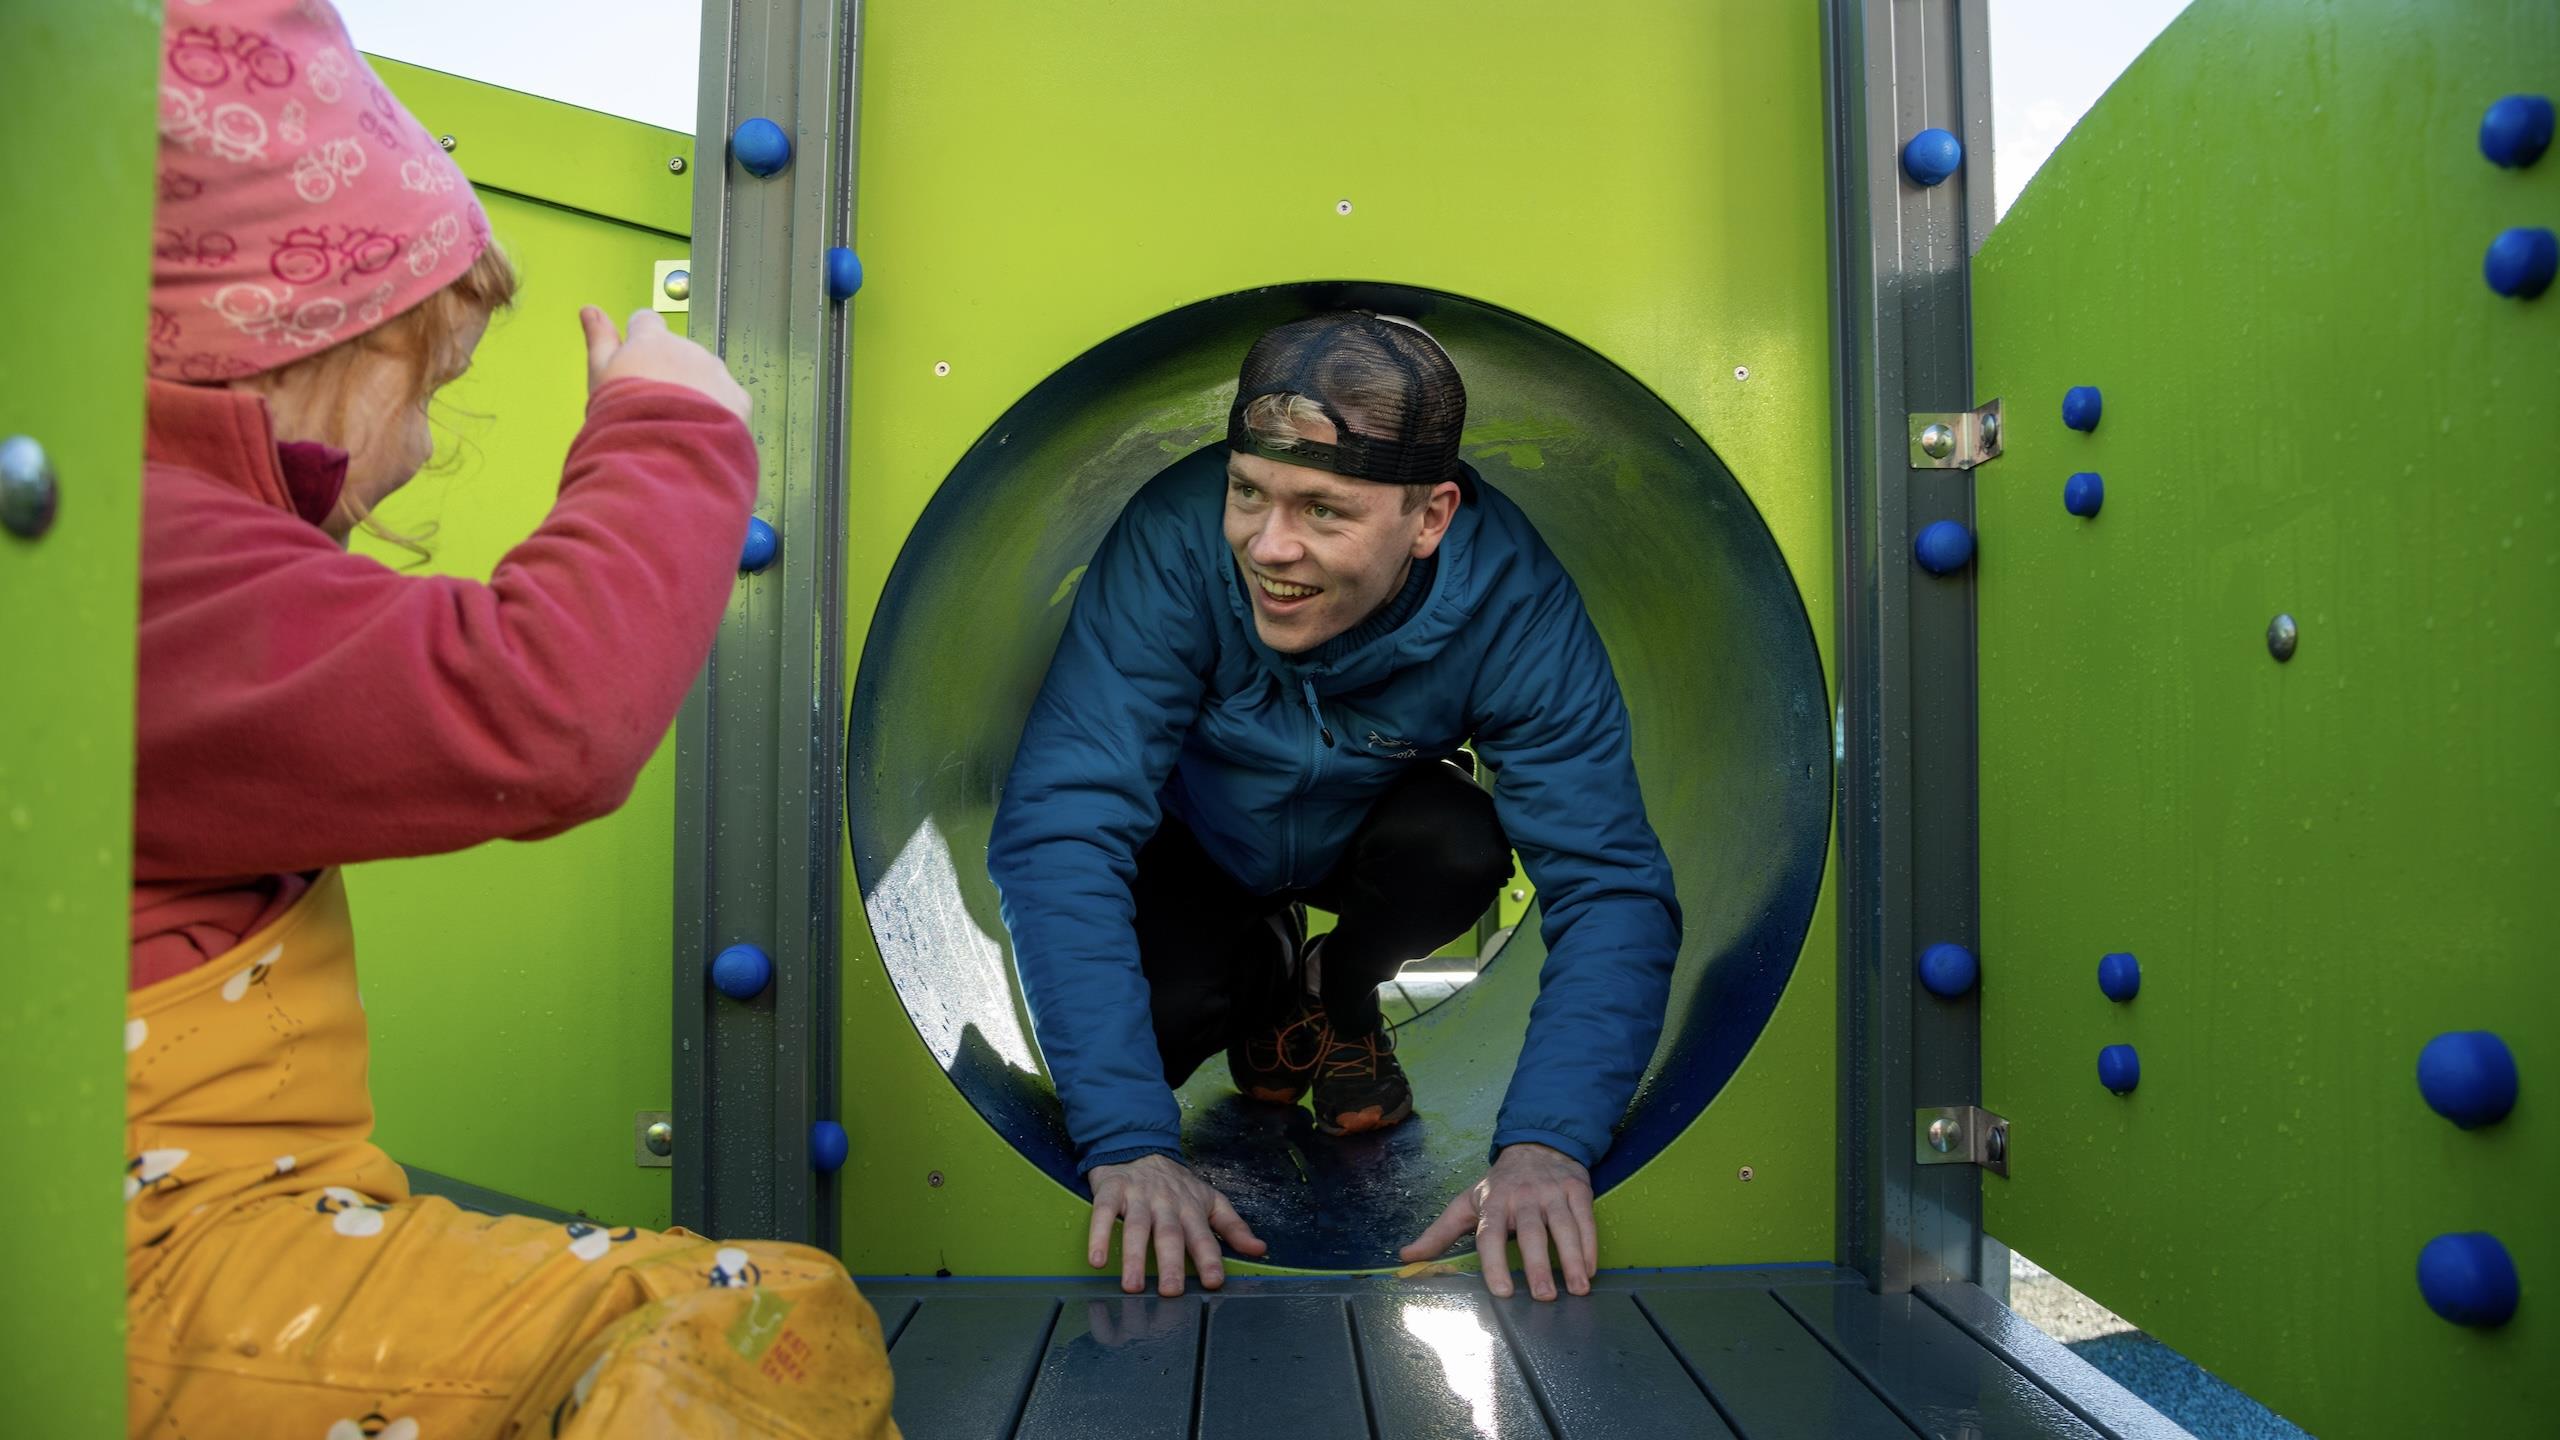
(1318, 552)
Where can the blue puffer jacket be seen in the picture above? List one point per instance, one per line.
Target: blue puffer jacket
(1163, 698)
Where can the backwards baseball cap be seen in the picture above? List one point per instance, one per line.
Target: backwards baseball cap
(1392, 394)
(300, 204)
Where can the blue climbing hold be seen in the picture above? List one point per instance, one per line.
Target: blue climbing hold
(844, 273)
(2119, 1069)
(2516, 130)
(2521, 261)
(828, 1146)
(2468, 1077)
(2081, 405)
(761, 147)
(741, 972)
(1944, 547)
(2468, 1279)
(1948, 970)
(762, 545)
(1932, 155)
(2084, 494)
(2120, 975)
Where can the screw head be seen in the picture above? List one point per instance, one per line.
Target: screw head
(447, 142)
(679, 285)
(28, 496)
(675, 164)
(1990, 430)
(933, 1178)
(1944, 1133)
(1937, 442)
(660, 1138)
(1741, 372)
(1996, 1146)
(1519, 895)
(1746, 1174)
(2283, 636)
(1341, 207)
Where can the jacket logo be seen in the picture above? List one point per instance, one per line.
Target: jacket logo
(1391, 747)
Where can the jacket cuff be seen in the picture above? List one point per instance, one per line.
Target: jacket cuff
(1550, 1138)
(1125, 1154)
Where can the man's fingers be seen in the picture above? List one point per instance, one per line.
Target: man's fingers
(1455, 1221)
(1493, 1232)
(1204, 1250)
(1224, 1219)
(1133, 1250)
(645, 322)
(1097, 1237)
(1533, 1253)
(1587, 1230)
(1568, 1241)
(1168, 1231)
(601, 342)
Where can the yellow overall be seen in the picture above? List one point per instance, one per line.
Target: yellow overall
(281, 1281)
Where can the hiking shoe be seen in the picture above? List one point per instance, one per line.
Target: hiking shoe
(1359, 1086)
(1277, 1062)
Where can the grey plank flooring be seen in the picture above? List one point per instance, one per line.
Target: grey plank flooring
(963, 1362)
(1940, 1379)
(1439, 1365)
(1767, 1371)
(1117, 1365)
(1281, 1365)
(1601, 1373)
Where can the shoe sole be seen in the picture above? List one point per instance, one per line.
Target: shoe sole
(1270, 1096)
(1363, 1121)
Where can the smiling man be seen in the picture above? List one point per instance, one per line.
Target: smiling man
(1257, 706)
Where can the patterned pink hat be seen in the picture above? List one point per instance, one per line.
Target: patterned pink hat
(300, 205)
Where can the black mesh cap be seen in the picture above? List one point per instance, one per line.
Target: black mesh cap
(1392, 394)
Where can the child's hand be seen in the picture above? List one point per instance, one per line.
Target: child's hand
(653, 352)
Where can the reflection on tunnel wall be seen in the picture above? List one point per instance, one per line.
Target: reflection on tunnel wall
(1702, 619)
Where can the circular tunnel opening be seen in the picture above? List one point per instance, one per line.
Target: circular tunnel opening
(1705, 627)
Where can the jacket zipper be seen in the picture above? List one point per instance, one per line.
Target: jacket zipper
(1315, 775)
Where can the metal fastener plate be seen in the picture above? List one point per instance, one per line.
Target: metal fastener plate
(1955, 439)
(1960, 1135)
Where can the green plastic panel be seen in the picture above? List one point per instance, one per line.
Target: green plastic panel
(71, 379)
(518, 992)
(2264, 245)
(1646, 178)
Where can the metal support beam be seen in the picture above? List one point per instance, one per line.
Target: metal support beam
(1902, 343)
(759, 793)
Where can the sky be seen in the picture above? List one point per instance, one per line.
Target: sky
(2050, 59)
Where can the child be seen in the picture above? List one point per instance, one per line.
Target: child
(322, 269)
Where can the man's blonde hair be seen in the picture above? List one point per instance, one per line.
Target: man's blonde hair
(1290, 416)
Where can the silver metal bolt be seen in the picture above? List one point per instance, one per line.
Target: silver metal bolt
(1741, 372)
(660, 1138)
(1519, 895)
(1944, 1134)
(941, 367)
(1341, 207)
(934, 1179)
(1990, 430)
(447, 142)
(1937, 442)
(2282, 636)
(675, 164)
(28, 496)
(1996, 1147)
(1746, 1174)
(679, 285)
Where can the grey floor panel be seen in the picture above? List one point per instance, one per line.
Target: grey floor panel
(962, 1363)
(1601, 1372)
(1281, 1365)
(1125, 1365)
(1438, 1365)
(1939, 1378)
(1766, 1370)
(2116, 1412)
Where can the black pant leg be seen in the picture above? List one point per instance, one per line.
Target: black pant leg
(1213, 961)
(1417, 874)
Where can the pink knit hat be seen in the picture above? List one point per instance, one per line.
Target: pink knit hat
(300, 205)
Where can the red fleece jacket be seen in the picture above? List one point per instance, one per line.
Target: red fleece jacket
(300, 707)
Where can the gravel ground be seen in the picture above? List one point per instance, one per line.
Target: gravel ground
(2171, 1383)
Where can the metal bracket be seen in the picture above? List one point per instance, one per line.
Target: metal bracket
(1955, 439)
(671, 287)
(653, 1140)
(1960, 1135)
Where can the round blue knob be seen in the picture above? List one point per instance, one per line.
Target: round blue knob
(762, 545)
(2516, 130)
(1943, 548)
(2084, 494)
(2521, 262)
(2468, 1279)
(828, 1146)
(1948, 970)
(2468, 1077)
(761, 147)
(844, 273)
(741, 972)
(2119, 1069)
(1932, 155)
(2120, 975)
(2081, 406)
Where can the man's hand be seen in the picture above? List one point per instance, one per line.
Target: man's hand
(654, 352)
(1158, 1196)
(1541, 1194)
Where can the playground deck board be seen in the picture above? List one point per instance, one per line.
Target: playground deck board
(1762, 1354)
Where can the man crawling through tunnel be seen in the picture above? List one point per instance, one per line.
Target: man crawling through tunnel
(1258, 706)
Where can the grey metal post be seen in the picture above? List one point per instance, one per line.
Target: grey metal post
(759, 793)
(1902, 342)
